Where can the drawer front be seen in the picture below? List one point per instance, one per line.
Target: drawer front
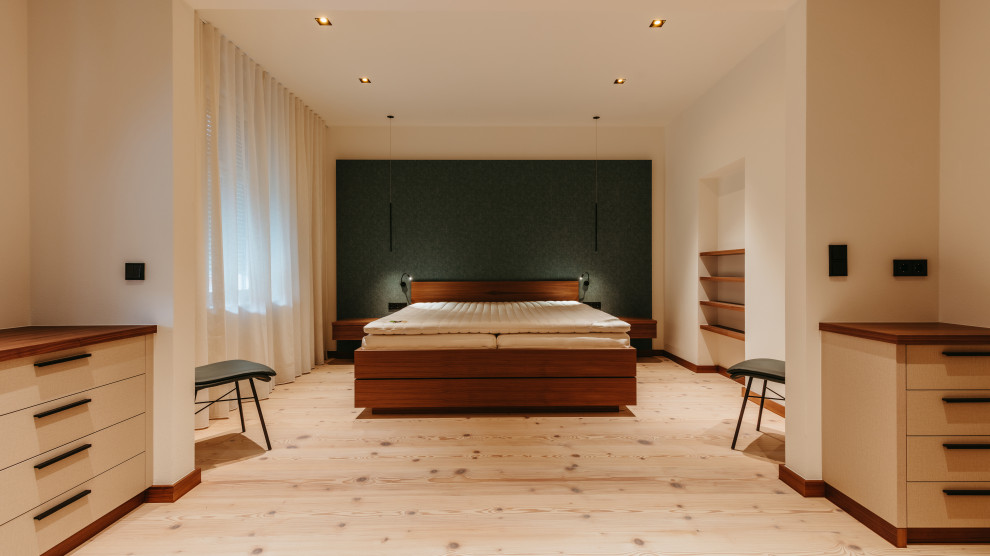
(26, 435)
(26, 385)
(26, 486)
(928, 413)
(929, 506)
(28, 536)
(948, 458)
(929, 368)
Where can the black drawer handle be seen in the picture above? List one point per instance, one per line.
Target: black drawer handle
(61, 409)
(964, 492)
(63, 360)
(966, 353)
(54, 509)
(966, 400)
(57, 459)
(950, 446)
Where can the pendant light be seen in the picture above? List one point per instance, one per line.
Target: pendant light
(596, 182)
(390, 118)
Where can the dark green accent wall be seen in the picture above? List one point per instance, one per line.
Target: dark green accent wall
(493, 220)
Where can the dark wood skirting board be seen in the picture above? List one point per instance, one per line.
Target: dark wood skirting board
(687, 364)
(88, 532)
(542, 290)
(37, 340)
(804, 487)
(900, 536)
(894, 535)
(945, 535)
(171, 493)
(165, 493)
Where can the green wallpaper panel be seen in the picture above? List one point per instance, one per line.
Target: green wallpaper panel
(493, 220)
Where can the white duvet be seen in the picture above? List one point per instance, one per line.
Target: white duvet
(498, 317)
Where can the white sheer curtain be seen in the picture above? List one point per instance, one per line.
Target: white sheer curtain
(261, 277)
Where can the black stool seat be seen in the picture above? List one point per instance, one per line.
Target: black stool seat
(767, 370)
(223, 372)
(234, 370)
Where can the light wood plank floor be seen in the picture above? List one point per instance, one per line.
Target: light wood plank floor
(656, 479)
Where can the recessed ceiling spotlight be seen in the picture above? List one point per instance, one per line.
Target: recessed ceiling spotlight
(620, 81)
(323, 21)
(364, 80)
(657, 22)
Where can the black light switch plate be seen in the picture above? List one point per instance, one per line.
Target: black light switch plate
(395, 306)
(910, 267)
(594, 304)
(838, 260)
(133, 271)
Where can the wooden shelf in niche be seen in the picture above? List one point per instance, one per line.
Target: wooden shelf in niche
(735, 305)
(725, 331)
(724, 305)
(723, 252)
(722, 278)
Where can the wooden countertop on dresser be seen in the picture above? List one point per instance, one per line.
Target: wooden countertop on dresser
(914, 333)
(35, 340)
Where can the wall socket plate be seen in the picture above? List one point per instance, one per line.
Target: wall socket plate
(594, 304)
(910, 267)
(133, 271)
(395, 306)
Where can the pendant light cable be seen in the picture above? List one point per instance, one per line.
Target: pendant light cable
(390, 118)
(596, 182)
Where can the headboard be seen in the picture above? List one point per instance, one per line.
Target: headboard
(542, 290)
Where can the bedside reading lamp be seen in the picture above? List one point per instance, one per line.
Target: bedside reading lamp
(405, 282)
(583, 281)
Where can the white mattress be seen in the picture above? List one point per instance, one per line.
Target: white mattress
(489, 341)
(429, 341)
(562, 341)
(499, 317)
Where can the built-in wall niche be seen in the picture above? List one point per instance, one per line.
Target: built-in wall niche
(722, 263)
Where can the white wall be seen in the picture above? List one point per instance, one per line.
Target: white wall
(964, 228)
(15, 248)
(740, 119)
(509, 143)
(871, 182)
(111, 95)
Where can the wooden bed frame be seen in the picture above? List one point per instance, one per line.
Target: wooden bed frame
(401, 381)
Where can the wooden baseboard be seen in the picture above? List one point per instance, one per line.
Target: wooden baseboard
(88, 532)
(894, 535)
(804, 487)
(171, 493)
(770, 405)
(948, 535)
(687, 364)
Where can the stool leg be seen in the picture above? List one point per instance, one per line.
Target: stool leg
(763, 398)
(240, 408)
(260, 415)
(741, 411)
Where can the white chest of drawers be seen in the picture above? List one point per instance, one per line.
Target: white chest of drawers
(906, 428)
(73, 404)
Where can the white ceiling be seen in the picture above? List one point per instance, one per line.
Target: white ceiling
(497, 62)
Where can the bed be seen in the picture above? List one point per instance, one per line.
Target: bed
(474, 367)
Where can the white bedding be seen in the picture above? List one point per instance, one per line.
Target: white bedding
(498, 317)
(562, 341)
(429, 341)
